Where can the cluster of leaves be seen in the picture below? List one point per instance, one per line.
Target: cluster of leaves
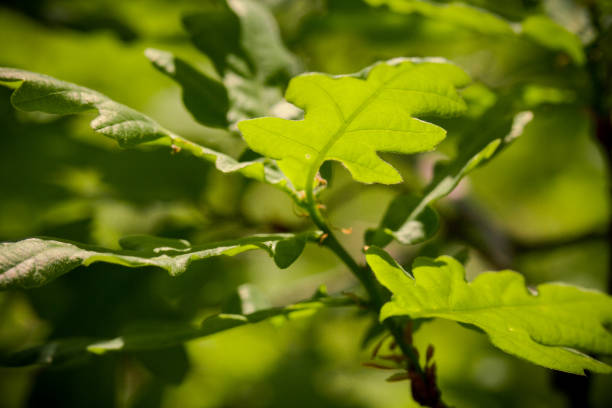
(386, 107)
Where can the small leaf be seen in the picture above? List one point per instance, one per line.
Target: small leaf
(35, 262)
(244, 30)
(261, 40)
(551, 35)
(421, 227)
(38, 92)
(243, 41)
(550, 328)
(215, 32)
(205, 98)
(159, 335)
(410, 221)
(288, 250)
(349, 119)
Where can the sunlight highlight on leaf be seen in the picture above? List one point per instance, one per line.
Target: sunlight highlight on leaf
(551, 327)
(349, 119)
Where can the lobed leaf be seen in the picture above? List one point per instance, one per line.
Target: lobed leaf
(551, 327)
(35, 262)
(159, 335)
(38, 92)
(350, 118)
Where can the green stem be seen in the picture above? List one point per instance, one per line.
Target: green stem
(179, 143)
(330, 241)
(364, 275)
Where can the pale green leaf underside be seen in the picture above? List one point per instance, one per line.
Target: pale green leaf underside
(150, 336)
(349, 119)
(38, 92)
(34, 262)
(550, 328)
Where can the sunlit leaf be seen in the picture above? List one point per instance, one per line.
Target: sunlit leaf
(349, 119)
(34, 262)
(551, 327)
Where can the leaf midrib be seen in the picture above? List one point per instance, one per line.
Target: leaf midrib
(462, 315)
(516, 306)
(332, 141)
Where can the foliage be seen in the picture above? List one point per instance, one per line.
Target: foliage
(34, 262)
(375, 114)
(255, 170)
(539, 327)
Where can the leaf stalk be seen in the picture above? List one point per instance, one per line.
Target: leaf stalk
(367, 279)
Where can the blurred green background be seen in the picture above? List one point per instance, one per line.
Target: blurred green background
(542, 207)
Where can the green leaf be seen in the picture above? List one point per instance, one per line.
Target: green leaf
(539, 28)
(243, 30)
(551, 327)
(456, 13)
(551, 35)
(349, 119)
(205, 98)
(288, 250)
(409, 221)
(261, 40)
(35, 262)
(38, 92)
(160, 335)
(397, 224)
(215, 32)
(242, 40)
(211, 102)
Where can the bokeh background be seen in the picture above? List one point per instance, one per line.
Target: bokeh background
(542, 207)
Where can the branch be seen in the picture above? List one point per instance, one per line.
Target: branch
(422, 383)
